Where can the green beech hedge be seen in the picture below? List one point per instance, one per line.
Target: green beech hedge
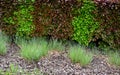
(84, 23)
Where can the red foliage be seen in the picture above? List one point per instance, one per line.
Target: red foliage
(54, 18)
(7, 8)
(109, 17)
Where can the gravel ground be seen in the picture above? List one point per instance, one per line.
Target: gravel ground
(57, 63)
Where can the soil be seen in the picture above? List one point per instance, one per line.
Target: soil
(58, 63)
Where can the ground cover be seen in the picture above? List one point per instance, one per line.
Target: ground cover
(55, 61)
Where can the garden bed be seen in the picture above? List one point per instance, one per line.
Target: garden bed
(60, 37)
(56, 63)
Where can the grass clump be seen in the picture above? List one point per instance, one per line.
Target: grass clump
(56, 45)
(3, 43)
(78, 55)
(114, 58)
(15, 70)
(33, 49)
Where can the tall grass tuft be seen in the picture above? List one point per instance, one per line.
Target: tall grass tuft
(114, 58)
(33, 49)
(79, 55)
(3, 43)
(56, 45)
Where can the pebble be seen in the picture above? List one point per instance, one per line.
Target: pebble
(59, 64)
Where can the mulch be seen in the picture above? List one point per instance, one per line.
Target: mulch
(58, 63)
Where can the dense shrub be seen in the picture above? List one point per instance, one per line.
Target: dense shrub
(22, 19)
(26, 1)
(17, 17)
(62, 17)
(7, 8)
(41, 20)
(84, 23)
(53, 18)
(108, 33)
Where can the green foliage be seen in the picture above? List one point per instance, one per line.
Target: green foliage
(26, 1)
(22, 19)
(84, 24)
(56, 45)
(79, 55)
(25, 24)
(104, 46)
(3, 43)
(12, 70)
(33, 49)
(15, 70)
(114, 58)
(9, 20)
